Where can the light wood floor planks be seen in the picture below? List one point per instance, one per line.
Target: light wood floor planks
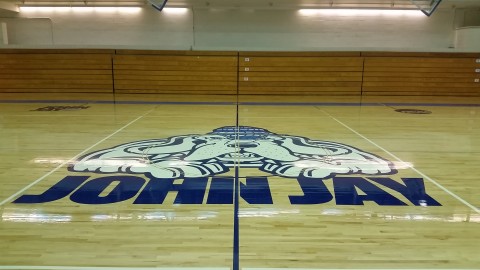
(284, 219)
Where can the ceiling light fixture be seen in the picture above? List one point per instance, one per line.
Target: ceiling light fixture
(82, 9)
(347, 12)
(175, 10)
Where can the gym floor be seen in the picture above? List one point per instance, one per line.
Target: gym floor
(227, 182)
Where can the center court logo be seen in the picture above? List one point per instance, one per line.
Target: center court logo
(216, 152)
(202, 158)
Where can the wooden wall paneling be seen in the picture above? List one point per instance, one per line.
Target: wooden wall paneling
(300, 73)
(425, 74)
(65, 71)
(216, 72)
(175, 73)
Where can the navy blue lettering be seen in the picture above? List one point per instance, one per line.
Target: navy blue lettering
(346, 194)
(89, 193)
(413, 190)
(155, 191)
(56, 192)
(253, 190)
(221, 191)
(314, 190)
(191, 191)
(256, 190)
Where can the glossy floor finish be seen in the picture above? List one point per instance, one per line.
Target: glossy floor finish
(238, 183)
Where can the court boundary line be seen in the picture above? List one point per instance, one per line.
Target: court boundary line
(409, 166)
(262, 268)
(360, 103)
(8, 267)
(70, 160)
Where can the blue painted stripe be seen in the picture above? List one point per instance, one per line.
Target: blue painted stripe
(174, 102)
(236, 225)
(45, 101)
(309, 104)
(352, 104)
(432, 104)
(118, 102)
(236, 228)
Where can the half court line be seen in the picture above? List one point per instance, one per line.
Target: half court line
(72, 159)
(236, 221)
(413, 168)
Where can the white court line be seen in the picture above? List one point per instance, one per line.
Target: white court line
(70, 160)
(7, 267)
(187, 268)
(417, 171)
(351, 269)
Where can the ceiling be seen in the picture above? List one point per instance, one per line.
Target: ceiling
(395, 4)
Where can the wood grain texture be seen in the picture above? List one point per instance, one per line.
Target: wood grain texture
(56, 71)
(249, 73)
(445, 75)
(167, 74)
(298, 54)
(71, 234)
(300, 74)
(443, 145)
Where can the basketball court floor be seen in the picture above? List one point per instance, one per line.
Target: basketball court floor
(132, 182)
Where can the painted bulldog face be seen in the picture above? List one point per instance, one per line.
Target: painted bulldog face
(248, 147)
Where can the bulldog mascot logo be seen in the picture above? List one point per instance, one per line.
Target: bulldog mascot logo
(146, 170)
(198, 155)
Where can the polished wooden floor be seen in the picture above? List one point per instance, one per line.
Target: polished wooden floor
(267, 222)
